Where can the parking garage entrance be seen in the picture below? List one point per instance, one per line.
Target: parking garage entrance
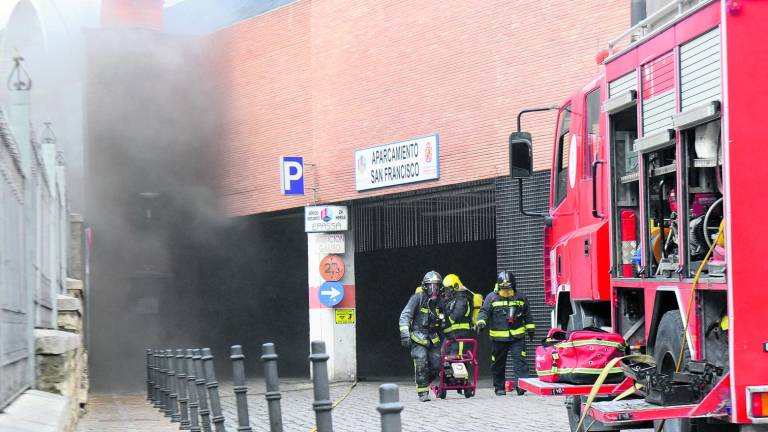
(398, 238)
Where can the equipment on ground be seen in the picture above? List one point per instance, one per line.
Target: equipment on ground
(459, 371)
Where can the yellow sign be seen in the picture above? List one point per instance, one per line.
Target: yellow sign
(345, 316)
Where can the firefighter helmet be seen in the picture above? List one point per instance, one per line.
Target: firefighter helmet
(452, 282)
(505, 280)
(432, 282)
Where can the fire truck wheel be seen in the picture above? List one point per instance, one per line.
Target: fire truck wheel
(665, 351)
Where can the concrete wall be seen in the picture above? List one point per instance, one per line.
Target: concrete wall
(322, 78)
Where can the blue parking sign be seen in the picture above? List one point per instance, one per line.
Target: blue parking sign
(292, 175)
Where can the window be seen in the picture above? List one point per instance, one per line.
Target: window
(563, 154)
(592, 133)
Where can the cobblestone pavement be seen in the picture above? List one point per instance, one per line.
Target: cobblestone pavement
(356, 413)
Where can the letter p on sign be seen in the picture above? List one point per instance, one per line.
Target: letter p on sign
(292, 175)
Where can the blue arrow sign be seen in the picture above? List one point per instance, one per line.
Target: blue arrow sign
(331, 293)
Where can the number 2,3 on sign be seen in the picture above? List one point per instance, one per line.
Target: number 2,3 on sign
(332, 268)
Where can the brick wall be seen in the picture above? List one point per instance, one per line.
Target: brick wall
(132, 13)
(321, 78)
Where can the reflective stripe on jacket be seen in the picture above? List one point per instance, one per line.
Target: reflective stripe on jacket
(458, 311)
(419, 320)
(503, 324)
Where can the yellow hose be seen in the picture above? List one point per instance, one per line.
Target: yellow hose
(690, 304)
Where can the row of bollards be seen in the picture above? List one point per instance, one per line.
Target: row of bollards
(184, 388)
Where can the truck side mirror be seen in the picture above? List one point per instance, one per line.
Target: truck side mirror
(520, 155)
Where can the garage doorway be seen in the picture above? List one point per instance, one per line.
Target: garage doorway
(400, 237)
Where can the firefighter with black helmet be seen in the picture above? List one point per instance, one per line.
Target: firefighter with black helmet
(420, 324)
(506, 313)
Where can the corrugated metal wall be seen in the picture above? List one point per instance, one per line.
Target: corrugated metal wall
(519, 246)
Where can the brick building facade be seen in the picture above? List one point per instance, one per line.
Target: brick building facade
(322, 78)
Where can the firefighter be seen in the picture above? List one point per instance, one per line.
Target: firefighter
(420, 324)
(505, 311)
(457, 308)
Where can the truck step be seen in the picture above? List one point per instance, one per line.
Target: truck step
(539, 387)
(634, 410)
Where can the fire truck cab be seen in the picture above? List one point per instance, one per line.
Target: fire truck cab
(654, 229)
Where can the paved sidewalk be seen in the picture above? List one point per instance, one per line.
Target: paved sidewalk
(356, 413)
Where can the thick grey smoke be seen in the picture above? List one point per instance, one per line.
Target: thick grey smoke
(169, 270)
(151, 130)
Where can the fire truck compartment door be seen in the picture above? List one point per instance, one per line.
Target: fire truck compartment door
(587, 250)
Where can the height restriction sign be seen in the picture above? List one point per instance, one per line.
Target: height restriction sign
(332, 268)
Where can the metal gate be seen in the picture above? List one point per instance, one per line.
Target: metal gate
(450, 214)
(15, 340)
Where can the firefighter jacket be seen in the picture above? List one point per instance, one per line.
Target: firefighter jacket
(506, 314)
(458, 311)
(421, 320)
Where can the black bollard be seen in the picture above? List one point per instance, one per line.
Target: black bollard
(166, 382)
(269, 357)
(390, 408)
(181, 376)
(213, 391)
(202, 398)
(150, 384)
(322, 403)
(194, 406)
(241, 391)
(163, 383)
(158, 398)
(173, 387)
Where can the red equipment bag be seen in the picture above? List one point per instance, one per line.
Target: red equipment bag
(578, 357)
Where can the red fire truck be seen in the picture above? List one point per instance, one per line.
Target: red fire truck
(653, 160)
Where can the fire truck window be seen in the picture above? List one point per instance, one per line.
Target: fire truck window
(593, 124)
(563, 152)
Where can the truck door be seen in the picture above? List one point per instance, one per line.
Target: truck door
(564, 203)
(593, 201)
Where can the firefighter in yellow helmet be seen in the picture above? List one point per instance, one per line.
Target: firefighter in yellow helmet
(457, 308)
(420, 323)
(506, 313)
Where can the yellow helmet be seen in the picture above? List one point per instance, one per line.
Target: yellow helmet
(452, 281)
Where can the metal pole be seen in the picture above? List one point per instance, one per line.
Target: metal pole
(194, 406)
(150, 384)
(158, 394)
(205, 413)
(322, 403)
(269, 357)
(241, 391)
(173, 386)
(181, 375)
(166, 408)
(213, 391)
(390, 408)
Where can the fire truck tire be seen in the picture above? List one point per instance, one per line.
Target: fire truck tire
(573, 406)
(665, 351)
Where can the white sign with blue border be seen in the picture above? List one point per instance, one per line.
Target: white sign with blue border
(292, 175)
(331, 293)
(397, 163)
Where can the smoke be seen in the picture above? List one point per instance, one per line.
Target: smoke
(151, 129)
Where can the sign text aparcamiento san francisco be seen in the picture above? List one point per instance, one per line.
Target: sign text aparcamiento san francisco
(397, 163)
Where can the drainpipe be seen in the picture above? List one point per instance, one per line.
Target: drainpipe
(637, 12)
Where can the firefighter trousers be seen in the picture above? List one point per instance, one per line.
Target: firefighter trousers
(499, 352)
(426, 365)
